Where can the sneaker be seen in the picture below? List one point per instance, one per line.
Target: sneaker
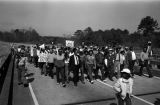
(150, 76)
(63, 85)
(92, 82)
(58, 83)
(20, 83)
(26, 85)
(111, 79)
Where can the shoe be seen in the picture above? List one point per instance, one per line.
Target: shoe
(92, 82)
(111, 79)
(26, 85)
(83, 82)
(64, 85)
(20, 83)
(150, 76)
(58, 83)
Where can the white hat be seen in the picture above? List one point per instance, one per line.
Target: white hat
(81, 50)
(126, 71)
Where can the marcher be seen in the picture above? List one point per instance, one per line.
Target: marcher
(117, 62)
(59, 64)
(35, 56)
(99, 64)
(123, 88)
(21, 67)
(66, 61)
(131, 58)
(145, 62)
(42, 59)
(91, 65)
(74, 65)
(110, 64)
(50, 63)
(122, 59)
(82, 65)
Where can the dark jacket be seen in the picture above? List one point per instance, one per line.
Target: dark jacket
(72, 62)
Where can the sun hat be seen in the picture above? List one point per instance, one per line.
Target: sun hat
(126, 71)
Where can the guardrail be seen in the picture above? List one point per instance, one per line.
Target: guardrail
(6, 80)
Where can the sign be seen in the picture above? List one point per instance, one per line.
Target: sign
(69, 43)
(42, 46)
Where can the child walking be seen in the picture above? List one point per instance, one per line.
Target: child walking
(123, 88)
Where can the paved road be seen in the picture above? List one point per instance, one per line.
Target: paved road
(47, 92)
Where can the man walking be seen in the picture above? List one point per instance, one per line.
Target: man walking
(145, 62)
(74, 65)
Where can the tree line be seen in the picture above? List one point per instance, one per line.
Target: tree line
(147, 30)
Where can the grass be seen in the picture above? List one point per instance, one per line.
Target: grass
(4, 51)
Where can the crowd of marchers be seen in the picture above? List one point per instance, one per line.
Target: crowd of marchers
(81, 63)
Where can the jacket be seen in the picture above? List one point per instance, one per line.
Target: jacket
(123, 87)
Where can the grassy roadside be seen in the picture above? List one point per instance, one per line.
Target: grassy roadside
(4, 51)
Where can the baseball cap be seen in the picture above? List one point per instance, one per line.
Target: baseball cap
(126, 71)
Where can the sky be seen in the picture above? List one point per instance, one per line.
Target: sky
(64, 17)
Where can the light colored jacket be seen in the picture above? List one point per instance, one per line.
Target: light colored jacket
(123, 87)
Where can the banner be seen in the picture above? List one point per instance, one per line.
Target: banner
(69, 43)
(42, 46)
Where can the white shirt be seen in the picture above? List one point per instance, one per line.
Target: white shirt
(106, 62)
(42, 57)
(19, 49)
(31, 51)
(124, 86)
(133, 55)
(38, 51)
(76, 60)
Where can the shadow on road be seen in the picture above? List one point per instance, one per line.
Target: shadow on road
(30, 80)
(87, 102)
(157, 102)
(29, 75)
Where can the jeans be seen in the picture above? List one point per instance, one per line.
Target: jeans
(145, 64)
(60, 72)
(131, 65)
(101, 67)
(82, 72)
(90, 70)
(66, 71)
(21, 74)
(50, 69)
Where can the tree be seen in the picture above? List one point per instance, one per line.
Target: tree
(88, 31)
(147, 26)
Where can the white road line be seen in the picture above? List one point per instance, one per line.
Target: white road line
(133, 95)
(32, 93)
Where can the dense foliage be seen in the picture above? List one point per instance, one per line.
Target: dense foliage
(147, 30)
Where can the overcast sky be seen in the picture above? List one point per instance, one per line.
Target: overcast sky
(55, 18)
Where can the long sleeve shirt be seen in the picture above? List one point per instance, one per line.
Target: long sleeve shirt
(51, 58)
(144, 56)
(90, 60)
(42, 57)
(123, 86)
